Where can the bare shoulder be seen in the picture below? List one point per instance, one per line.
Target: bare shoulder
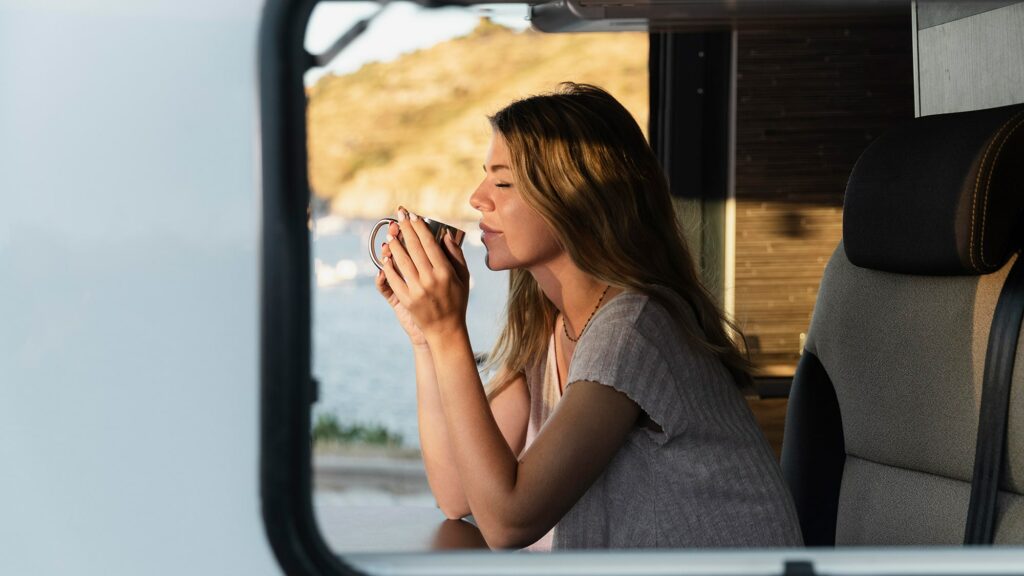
(511, 410)
(513, 393)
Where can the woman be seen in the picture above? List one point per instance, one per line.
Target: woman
(615, 416)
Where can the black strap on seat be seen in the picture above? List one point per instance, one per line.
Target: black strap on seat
(995, 405)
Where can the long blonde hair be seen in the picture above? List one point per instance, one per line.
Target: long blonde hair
(581, 161)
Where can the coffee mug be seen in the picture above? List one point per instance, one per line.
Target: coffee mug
(437, 229)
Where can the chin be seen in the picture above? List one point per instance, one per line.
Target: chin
(494, 264)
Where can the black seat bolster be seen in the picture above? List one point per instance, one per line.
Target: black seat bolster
(813, 451)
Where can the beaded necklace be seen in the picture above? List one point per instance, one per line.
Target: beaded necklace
(565, 325)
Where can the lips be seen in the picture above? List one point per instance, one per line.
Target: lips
(487, 232)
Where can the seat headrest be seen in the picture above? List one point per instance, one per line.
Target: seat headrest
(939, 195)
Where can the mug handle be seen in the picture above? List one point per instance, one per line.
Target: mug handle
(373, 236)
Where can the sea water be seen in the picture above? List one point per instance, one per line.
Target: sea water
(361, 356)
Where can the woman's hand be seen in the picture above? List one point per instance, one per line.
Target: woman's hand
(404, 318)
(431, 286)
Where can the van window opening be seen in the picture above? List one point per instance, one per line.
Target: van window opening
(696, 93)
(765, 224)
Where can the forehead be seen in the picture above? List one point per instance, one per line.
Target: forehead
(497, 152)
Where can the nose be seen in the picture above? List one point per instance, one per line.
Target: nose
(480, 199)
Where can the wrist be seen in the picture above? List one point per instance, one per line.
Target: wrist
(443, 336)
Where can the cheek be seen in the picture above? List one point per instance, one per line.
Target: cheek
(541, 230)
(539, 237)
(527, 234)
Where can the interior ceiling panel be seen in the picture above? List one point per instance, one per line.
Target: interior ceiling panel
(584, 15)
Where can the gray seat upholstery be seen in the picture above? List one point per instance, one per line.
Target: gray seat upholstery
(881, 428)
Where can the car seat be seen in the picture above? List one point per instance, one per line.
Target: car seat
(881, 431)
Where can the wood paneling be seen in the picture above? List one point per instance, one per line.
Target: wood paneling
(770, 414)
(808, 103)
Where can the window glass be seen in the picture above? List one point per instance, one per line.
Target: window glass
(400, 117)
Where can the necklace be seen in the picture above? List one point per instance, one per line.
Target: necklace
(565, 325)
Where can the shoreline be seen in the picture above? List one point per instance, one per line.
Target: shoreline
(372, 472)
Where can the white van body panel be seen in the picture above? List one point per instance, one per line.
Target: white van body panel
(129, 234)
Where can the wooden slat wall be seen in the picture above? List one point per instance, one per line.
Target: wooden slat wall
(808, 103)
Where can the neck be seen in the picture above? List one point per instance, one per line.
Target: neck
(571, 290)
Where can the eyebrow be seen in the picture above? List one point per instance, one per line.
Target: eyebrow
(496, 167)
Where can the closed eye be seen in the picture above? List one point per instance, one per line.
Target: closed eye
(503, 185)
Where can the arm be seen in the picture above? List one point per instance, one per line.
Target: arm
(511, 411)
(514, 501)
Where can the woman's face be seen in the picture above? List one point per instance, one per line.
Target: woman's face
(514, 233)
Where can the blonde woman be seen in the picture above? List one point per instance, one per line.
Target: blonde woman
(615, 419)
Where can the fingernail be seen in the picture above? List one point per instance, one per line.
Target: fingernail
(386, 259)
(413, 216)
(389, 237)
(401, 214)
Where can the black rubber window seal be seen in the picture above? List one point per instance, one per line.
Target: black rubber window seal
(286, 386)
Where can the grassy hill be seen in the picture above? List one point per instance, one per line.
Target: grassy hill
(414, 130)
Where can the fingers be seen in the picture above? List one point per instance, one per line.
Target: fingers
(401, 262)
(381, 280)
(419, 259)
(414, 242)
(436, 257)
(394, 279)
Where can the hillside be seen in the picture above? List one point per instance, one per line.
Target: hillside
(414, 130)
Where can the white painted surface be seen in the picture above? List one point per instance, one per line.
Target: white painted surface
(128, 288)
(972, 63)
(848, 562)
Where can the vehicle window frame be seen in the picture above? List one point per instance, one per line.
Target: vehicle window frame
(285, 298)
